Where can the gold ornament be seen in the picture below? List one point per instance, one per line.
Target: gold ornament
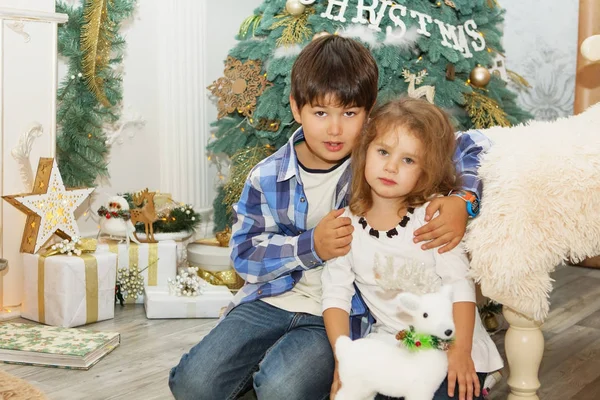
(490, 322)
(484, 111)
(294, 7)
(480, 76)
(96, 35)
(49, 207)
(296, 29)
(238, 90)
(321, 34)
(224, 237)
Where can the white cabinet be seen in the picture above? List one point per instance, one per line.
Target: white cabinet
(28, 84)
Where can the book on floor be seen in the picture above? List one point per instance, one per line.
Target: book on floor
(53, 346)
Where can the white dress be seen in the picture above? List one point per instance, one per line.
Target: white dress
(397, 247)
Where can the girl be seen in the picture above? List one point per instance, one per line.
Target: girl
(403, 160)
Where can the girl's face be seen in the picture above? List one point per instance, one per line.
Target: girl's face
(393, 164)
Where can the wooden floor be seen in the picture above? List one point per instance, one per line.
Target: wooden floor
(138, 369)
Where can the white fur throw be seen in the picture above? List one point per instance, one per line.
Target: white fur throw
(541, 205)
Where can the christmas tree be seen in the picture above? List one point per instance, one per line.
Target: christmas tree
(447, 51)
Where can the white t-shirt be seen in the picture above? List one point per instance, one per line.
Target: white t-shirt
(367, 251)
(319, 189)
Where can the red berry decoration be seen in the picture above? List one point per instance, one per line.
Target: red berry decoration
(418, 343)
(107, 216)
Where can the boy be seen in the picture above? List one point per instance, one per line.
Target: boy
(273, 338)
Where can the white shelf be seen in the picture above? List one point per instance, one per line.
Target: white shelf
(30, 15)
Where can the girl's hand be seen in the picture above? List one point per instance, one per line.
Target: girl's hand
(448, 228)
(462, 369)
(335, 386)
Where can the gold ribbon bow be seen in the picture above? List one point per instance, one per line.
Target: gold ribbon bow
(227, 278)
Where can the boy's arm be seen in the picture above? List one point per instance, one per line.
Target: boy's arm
(261, 251)
(470, 145)
(449, 227)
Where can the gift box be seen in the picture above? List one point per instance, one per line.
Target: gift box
(214, 265)
(69, 291)
(157, 261)
(210, 304)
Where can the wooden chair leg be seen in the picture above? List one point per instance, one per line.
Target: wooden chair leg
(524, 345)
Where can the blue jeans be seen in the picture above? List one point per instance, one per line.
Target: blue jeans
(442, 392)
(279, 354)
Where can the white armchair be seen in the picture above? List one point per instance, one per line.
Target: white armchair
(541, 207)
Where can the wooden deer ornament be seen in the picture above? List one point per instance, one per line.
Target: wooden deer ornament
(426, 91)
(146, 213)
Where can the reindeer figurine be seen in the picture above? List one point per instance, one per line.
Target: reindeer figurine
(426, 91)
(146, 214)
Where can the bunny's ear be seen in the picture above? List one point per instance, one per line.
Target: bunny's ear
(448, 291)
(409, 303)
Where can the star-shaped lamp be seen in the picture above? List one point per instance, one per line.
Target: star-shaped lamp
(49, 207)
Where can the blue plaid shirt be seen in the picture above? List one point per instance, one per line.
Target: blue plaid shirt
(271, 245)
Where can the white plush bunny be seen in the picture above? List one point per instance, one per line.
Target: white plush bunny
(413, 367)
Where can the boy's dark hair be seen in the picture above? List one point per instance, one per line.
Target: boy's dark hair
(336, 66)
(428, 124)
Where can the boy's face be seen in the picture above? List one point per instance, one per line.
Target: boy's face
(330, 131)
(393, 164)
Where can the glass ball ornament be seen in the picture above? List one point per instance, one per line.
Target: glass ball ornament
(294, 7)
(480, 76)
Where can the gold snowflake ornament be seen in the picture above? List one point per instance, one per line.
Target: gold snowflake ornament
(238, 90)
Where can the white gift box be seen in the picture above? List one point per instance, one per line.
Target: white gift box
(210, 304)
(158, 272)
(210, 258)
(69, 291)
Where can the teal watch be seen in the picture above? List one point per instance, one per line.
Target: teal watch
(470, 199)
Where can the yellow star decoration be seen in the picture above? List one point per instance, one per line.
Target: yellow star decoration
(50, 207)
(238, 90)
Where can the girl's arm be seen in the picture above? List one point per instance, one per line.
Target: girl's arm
(338, 288)
(452, 267)
(461, 368)
(337, 323)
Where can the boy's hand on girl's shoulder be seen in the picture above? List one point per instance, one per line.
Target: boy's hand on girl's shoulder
(333, 235)
(448, 228)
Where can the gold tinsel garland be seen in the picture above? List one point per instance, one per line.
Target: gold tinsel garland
(96, 38)
(484, 111)
(296, 29)
(241, 163)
